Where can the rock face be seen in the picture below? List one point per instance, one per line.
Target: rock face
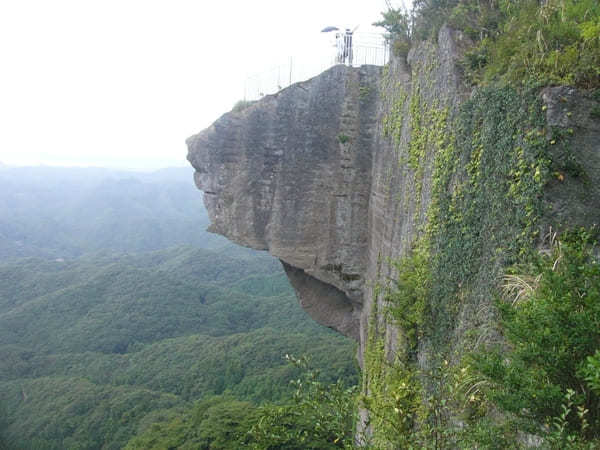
(320, 175)
(291, 174)
(576, 200)
(305, 174)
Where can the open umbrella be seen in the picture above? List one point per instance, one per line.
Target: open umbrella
(328, 29)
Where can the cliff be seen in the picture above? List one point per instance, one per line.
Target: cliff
(355, 177)
(291, 174)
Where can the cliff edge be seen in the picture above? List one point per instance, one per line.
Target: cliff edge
(370, 181)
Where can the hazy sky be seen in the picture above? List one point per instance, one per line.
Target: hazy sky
(123, 83)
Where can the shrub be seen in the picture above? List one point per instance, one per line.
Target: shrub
(320, 416)
(552, 330)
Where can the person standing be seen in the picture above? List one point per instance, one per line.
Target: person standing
(348, 53)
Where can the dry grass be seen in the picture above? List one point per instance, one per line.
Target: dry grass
(520, 287)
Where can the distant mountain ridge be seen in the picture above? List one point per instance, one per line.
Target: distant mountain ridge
(55, 212)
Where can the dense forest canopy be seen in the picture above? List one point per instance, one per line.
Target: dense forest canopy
(117, 310)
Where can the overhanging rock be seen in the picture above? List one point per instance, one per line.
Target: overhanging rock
(291, 174)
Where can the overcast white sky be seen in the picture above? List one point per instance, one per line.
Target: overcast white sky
(123, 83)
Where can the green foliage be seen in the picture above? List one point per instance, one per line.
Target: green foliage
(552, 329)
(409, 407)
(320, 416)
(392, 394)
(398, 25)
(555, 42)
(343, 138)
(478, 20)
(205, 324)
(490, 162)
(408, 297)
(88, 304)
(490, 165)
(591, 372)
(393, 121)
(217, 423)
(418, 137)
(560, 436)
(516, 41)
(364, 92)
(429, 16)
(487, 199)
(96, 349)
(68, 412)
(427, 127)
(429, 132)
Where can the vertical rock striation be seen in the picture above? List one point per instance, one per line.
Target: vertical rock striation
(291, 174)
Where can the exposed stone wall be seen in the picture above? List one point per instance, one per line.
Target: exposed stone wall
(575, 200)
(400, 194)
(291, 174)
(309, 175)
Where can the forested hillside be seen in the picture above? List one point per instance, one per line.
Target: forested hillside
(98, 341)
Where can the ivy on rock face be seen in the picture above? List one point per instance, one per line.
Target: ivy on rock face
(487, 199)
(491, 162)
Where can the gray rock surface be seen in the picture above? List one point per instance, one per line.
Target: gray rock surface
(396, 212)
(291, 174)
(574, 195)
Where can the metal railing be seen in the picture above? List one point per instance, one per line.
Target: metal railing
(361, 49)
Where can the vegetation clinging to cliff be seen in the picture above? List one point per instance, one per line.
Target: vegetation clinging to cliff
(491, 162)
(550, 319)
(554, 42)
(490, 168)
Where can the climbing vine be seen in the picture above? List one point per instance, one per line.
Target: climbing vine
(487, 198)
(489, 163)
